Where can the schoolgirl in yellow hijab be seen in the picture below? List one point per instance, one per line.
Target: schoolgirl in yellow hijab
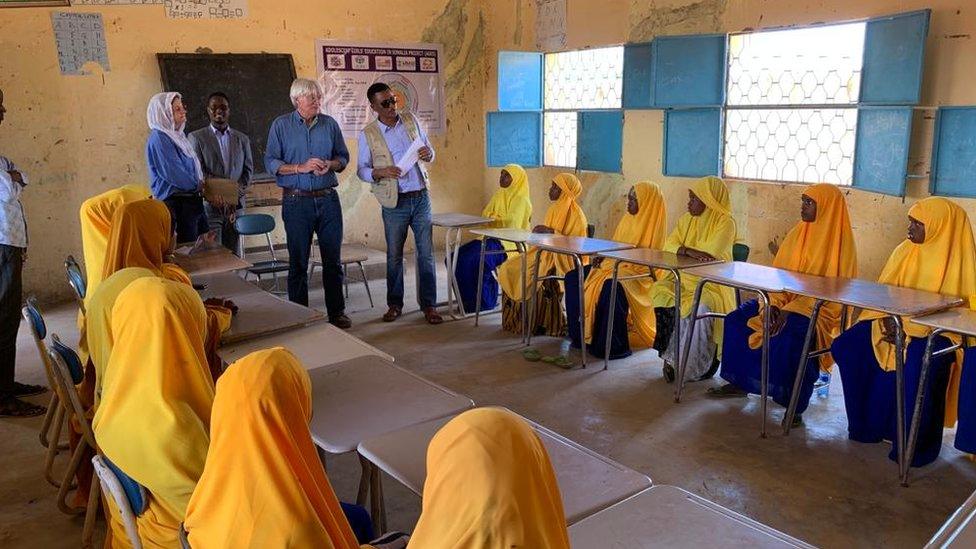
(153, 420)
(263, 484)
(489, 485)
(510, 206)
(142, 236)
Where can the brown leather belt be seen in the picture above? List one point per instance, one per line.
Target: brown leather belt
(309, 194)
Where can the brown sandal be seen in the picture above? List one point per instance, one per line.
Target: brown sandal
(432, 316)
(392, 314)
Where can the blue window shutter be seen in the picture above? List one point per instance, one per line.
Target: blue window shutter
(692, 142)
(954, 152)
(514, 138)
(881, 149)
(600, 140)
(519, 81)
(689, 71)
(638, 92)
(894, 50)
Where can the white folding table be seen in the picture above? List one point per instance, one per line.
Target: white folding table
(455, 223)
(315, 345)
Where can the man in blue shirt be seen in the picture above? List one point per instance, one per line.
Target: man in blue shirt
(403, 196)
(305, 151)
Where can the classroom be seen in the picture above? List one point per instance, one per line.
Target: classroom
(487, 274)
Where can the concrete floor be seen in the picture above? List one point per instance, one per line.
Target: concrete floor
(815, 484)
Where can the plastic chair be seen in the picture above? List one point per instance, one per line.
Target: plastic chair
(76, 280)
(351, 253)
(131, 498)
(740, 252)
(55, 411)
(68, 372)
(257, 225)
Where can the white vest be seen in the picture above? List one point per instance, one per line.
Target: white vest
(386, 190)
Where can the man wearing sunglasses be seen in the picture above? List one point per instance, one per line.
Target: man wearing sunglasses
(403, 195)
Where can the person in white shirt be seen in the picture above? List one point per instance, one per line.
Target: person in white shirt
(13, 253)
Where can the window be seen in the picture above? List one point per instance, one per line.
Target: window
(791, 104)
(574, 81)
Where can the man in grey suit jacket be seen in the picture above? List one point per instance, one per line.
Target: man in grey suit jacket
(224, 153)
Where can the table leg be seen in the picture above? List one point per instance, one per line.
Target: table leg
(377, 508)
(917, 412)
(582, 309)
(365, 480)
(523, 259)
(795, 395)
(613, 307)
(900, 391)
(683, 361)
(481, 281)
(677, 323)
(454, 282)
(764, 372)
(531, 300)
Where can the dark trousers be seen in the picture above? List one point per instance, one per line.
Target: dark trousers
(224, 227)
(189, 218)
(321, 216)
(11, 266)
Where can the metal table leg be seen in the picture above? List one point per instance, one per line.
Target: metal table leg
(677, 328)
(795, 395)
(919, 401)
(531, 300)
(523, 260)
(481, 281)
(613, 308)
(900, 392)
(582, 308)
(683, 362)
(764, 374)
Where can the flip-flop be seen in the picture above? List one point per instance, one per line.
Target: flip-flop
(559, 360)
(23, 390)
(532, 355)
(726, 391)
(11, 406)
(669, 373)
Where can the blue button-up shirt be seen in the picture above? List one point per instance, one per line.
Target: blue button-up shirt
(291, 141)
(170, 171)
(223, 140)
(398, 141)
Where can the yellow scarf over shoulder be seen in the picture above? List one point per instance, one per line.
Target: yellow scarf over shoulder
(566, 217)
(823, 247)
(489, 485)
(263, 484)
(511, 207)
(153, 420)
(645, 229)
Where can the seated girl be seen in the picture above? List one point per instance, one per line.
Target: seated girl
(564, 217)
(642, 225)
(821, 244)
(706, 233)
(511, 208)
(938, 256)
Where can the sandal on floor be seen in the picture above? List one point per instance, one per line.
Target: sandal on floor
(24, 390)
(669, 373)
(562, 361)
(726, 391)
(532, 355)
(797, 421)
(11, 406)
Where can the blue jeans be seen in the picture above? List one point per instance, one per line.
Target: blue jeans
(321, 216)
(414, 213)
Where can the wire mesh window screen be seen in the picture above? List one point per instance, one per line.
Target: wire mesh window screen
(559, 130)
(809, 80)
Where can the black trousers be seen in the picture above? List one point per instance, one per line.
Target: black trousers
(189, 218)
(11, 287)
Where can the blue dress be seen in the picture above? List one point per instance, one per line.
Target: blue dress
(869, 392)
(742, 365)
(966, 429)
(467, 274)
(619, 341)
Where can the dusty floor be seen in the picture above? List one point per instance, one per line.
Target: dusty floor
(815, 484)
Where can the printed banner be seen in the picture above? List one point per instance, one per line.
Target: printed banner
(413, 71)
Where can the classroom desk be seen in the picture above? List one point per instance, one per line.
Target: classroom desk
(259, 313)
(365, 397)
(576, 247)
(318, 344)
(959, 531)
(455, 223)
(588, 482)
(655, 259)
(666, 516)
(515, 236)
(208, 262)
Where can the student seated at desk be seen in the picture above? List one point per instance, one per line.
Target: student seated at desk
(821, 244)
(564, 217)
(706, 232)
(642, 225)
(263, 484)
(489, 485)
(938, 256)
(511, 208)
(153, 421)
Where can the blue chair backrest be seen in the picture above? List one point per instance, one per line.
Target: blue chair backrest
(75, 277)
(70, 358)
(37, 321)
(134, 492)
(252, 224)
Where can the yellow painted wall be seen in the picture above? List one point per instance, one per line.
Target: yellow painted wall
(79, 135)
(764, 211)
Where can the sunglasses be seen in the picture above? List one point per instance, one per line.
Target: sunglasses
(387, 103)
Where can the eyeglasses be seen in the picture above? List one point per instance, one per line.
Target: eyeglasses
(389, 102)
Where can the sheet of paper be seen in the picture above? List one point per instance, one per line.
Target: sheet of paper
(410, 157)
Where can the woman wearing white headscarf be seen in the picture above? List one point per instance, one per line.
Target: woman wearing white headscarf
(174, 170)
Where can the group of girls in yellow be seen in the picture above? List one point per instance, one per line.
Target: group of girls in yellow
(938, 255)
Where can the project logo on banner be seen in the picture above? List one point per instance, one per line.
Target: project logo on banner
(413, 71)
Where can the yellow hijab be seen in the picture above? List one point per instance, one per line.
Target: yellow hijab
(489, 486)
(823, 247)
(141, 237)
(510, 206)
(154, 417)
(644, 230)
(263, 485)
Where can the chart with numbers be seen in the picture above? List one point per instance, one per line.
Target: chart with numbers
(80, 38)
(206, 9)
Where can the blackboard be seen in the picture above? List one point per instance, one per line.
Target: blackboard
(257, 85)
